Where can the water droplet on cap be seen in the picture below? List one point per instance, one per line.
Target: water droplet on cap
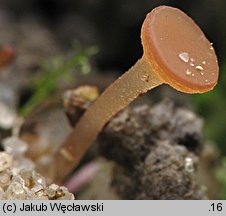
(184, 56)
(188, 72)
(211, 46)
(199, 67)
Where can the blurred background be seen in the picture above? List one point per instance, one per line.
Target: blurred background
(101, 39)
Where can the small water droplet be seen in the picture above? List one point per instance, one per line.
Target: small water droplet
(193, 74)
(206, 80)
(204, 62)
(199, 67)
(211, 46)
(189, 165)
(188, 72)
(192, 60)
(202, 73)
(184, 56)
(192, 64)
(145, 78)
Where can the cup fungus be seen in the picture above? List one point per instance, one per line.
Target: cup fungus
(176, 52)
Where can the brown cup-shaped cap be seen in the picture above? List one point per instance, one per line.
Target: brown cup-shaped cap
(178, 51)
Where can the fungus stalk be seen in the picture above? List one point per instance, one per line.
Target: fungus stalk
(176, 52)
(136, 81)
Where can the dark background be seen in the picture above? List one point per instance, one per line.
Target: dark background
(114, 25)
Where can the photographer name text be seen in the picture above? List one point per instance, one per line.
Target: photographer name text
(52, 206)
